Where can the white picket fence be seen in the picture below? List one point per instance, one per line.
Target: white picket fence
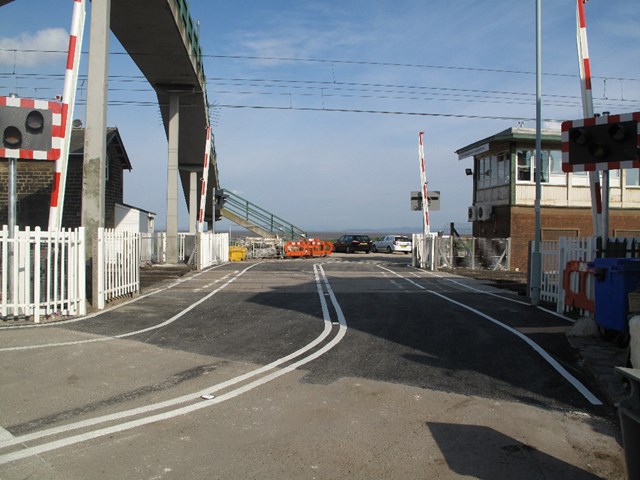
(555, 254)
(118, 264)
(43, 273)
(212, 248)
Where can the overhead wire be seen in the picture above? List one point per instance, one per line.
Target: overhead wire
(356, 90)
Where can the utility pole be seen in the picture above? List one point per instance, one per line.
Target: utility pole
(95, 141)
(536, 257)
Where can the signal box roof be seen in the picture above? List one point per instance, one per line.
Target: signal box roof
(519, 135)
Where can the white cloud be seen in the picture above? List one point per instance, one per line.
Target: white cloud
(34, 49)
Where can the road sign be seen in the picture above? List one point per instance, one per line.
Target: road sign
(416, 201)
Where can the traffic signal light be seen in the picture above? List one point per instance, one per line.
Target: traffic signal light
(600, 143)
(30, 129)
(220, 198)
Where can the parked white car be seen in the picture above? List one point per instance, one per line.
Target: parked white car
(392, 243)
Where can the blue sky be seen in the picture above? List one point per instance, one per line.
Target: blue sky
(442, 67)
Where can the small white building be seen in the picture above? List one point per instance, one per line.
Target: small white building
(134, 219)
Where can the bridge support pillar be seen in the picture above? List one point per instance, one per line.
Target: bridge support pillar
(193, 201)
(172, 179)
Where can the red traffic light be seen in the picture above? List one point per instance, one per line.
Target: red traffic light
(35, 121)
(11, 137)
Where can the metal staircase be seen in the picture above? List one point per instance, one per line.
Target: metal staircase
(257, 219)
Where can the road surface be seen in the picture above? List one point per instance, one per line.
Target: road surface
(349, 366)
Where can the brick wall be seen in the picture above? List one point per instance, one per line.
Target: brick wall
(113, 190)
(72, 213)
(518, 223)
(33, 185)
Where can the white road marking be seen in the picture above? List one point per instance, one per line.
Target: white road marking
(36, 450)
(136, 332)
(556, 314)
(537, 348)
(115, 307)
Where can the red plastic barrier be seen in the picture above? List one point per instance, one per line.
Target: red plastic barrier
(577, 299)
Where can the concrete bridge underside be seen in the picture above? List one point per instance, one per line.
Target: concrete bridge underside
(159, 37)
(157, 40)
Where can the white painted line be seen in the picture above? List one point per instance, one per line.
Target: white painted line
(478, 290)
(115, 307)
(137, 332)
(556, 314)
(5, 435)
(537, 348)
(31, 451)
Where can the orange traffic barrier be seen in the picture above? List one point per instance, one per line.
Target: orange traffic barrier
(308, 248)
(579, 298)
(296, 249)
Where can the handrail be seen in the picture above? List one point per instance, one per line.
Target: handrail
(261, 218)
(192, 33)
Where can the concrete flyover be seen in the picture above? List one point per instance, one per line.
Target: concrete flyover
(162, 39)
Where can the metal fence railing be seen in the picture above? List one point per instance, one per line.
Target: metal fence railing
(447, 251)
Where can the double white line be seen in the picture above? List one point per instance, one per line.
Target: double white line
(324, 289)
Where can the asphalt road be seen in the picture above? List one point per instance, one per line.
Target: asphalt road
(350, 366)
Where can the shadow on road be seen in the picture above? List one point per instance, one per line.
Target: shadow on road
(395, 333)
(484, 453)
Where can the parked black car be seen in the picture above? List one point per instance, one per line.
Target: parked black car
(352, 244)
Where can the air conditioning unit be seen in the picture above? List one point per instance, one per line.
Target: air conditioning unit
(484, 212)
(472, 214)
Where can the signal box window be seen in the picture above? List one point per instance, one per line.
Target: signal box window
(633, 177)
(524, 165)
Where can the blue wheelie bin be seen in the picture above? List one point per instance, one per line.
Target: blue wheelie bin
(614, 279)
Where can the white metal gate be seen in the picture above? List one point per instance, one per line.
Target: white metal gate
(213, 248)
(119, 264)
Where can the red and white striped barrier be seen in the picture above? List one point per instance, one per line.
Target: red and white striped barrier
(68, 103)
(587, 108)
(584, 62)
(423, 181)
(205, 177)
